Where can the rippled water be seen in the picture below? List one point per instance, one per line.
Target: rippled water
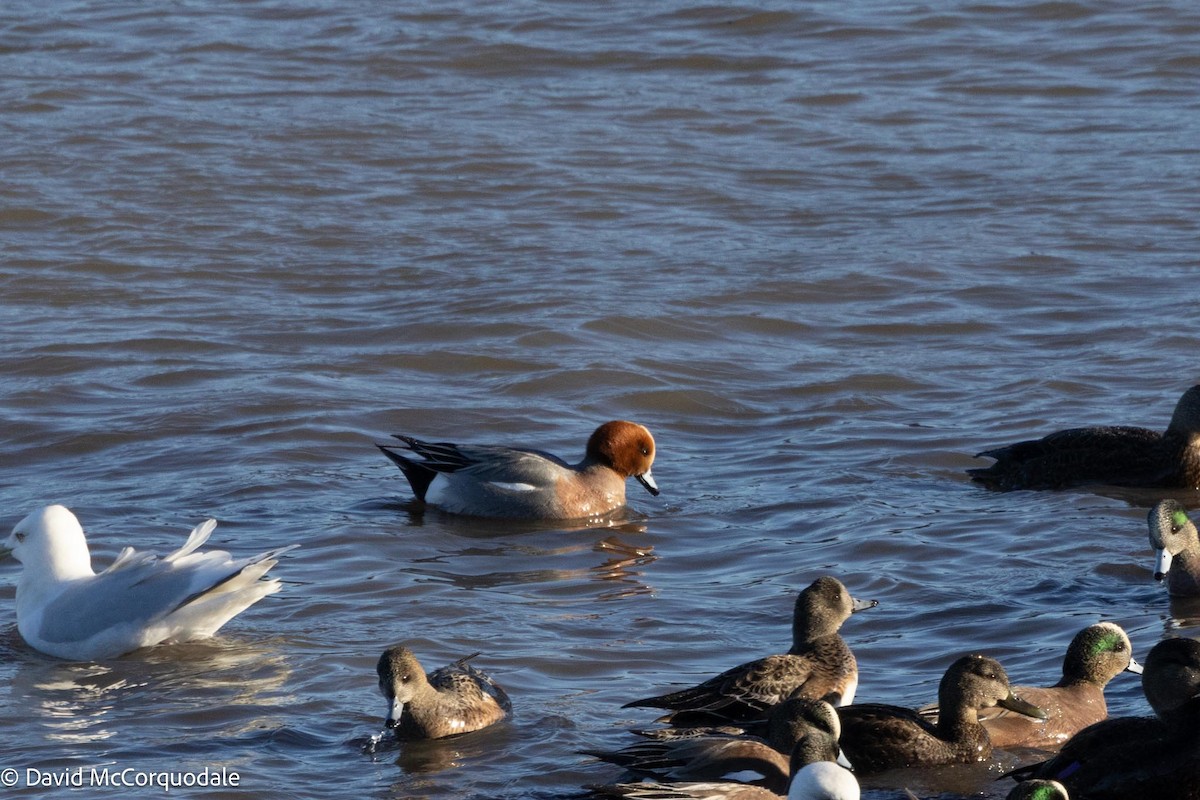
(824, 253)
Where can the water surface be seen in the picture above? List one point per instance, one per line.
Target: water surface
(825, 254)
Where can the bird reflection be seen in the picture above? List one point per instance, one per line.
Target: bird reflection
(79, 702)
(1184, 619)
(622, 564)
(622, 567)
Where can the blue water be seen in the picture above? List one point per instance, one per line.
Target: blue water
(825, 254)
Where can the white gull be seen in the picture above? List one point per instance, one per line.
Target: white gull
(66, 609)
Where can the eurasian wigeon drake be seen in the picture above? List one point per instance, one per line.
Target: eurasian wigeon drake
(877, 737)
(493, 481)
(454, 699)
(1096, 655)
(66, 609)
(815, 775)
(819, 666)
(1113, 456)
(1151, 757)
(1174, 538)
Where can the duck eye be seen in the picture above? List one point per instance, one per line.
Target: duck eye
(20, 537)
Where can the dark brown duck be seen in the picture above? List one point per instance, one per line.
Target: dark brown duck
(877, 737)
(1112, 455)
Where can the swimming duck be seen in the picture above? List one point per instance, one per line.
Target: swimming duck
(1096, 655)
(1174, 537)
(491, 481)
(1113, 455)
(1140, 757)
(1038, 790)
(818, 666)
(877, 737)
(762, 762)
(815, 776)
(66, 609)
(454, 699)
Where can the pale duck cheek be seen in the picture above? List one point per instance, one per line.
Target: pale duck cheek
(1162, 564)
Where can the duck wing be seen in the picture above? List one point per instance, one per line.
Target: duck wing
(743, 692)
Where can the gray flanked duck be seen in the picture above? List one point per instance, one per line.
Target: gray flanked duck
(1096, 655)
(520, 483)
(454, 699)
(1174, 538)
(1112, 455)
(878, 737)
(819, 666)
(1140, 757)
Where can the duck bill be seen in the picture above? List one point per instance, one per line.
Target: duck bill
(1134, 667)
(1162, 564)
(5, 552)
(861, 605)
(647, 480)
(1013, 703)
(395, 710)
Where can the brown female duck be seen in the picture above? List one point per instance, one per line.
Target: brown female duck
(451, 700)
(819, 666)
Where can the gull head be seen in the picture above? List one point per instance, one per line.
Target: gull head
(50, 541)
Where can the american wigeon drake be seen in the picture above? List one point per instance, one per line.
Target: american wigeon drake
(823, 780)
(819, 666)
(1114, 456)
(1038, 789)
(454, 699)
(1096, 655)
(66, 609)
(1140, 757)
(1173, 537)
(518, 483)
(814, 776)
(761, 762)
(877, 737)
